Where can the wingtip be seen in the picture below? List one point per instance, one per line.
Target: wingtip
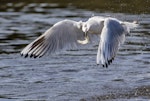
(21, 54)
(108, 63)
(31, 55)
(25, 56)
(105, 65)
(35, 56)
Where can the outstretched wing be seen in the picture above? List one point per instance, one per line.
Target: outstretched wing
(111, 37)
(62, 35)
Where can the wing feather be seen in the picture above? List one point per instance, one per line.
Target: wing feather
(111, 37)
(62, 35)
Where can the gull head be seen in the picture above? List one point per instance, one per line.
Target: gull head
(85, 29)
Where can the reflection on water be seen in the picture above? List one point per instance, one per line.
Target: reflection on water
(72, 75)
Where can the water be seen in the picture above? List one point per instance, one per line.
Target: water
(71, 75)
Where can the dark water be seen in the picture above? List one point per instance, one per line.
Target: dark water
(72, 75)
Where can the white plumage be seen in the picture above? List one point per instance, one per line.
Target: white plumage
(68, 34)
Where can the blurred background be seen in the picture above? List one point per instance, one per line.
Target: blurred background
(119, 6)
(72, 75)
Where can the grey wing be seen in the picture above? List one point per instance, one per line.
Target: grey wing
(62, 35)
(111, 37)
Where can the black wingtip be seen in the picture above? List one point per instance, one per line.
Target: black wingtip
(40, 56)
(105, 65)
(108, 63)
(35, 56)
(21, 54)
(26, 56)
(31, 55)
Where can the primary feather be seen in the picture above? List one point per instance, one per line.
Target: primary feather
(63, 34)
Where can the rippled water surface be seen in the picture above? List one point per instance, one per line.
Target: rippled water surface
(71, 75)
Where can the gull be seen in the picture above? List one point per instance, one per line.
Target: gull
(69, 34)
